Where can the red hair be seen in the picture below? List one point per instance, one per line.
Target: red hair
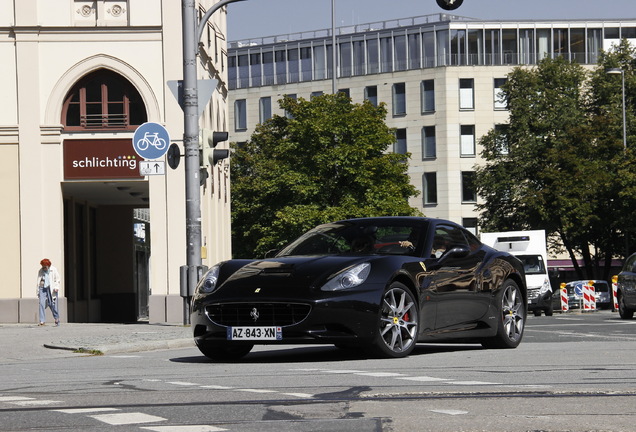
(45, 262)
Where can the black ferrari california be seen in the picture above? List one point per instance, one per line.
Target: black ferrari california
(383, 284)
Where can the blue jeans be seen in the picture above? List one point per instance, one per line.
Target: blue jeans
(48, 299)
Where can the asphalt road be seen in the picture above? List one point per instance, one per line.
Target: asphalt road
(573, 372)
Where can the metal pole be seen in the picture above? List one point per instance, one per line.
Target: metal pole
(191, 138)
(334, 49)
(624, 115)
(191, 36)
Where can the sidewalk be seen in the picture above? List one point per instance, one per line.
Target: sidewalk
(29, 341)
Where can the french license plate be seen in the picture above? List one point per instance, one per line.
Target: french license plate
(254, 333)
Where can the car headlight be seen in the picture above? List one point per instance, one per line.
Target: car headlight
(545, 287)
(208, 284)
(348, 278)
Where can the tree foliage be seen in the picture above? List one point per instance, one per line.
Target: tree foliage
(323, 161)
(560, 164)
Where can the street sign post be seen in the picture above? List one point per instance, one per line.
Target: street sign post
(151, 141)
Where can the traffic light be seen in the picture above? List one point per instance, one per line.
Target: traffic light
(209, 140)
(449, 4)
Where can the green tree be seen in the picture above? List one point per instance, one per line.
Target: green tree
(323, 161)
(556, 166)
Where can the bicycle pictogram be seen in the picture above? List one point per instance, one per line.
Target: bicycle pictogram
(151, 139)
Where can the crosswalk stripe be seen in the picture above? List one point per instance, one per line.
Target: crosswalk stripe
(184, 428)
(127, 418)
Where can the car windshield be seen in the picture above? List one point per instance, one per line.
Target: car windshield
(532, 264)
(369, 237)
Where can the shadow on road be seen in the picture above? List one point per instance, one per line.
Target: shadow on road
(317, 354)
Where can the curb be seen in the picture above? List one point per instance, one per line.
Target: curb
(130, 347)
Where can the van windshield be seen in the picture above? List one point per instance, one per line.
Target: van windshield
(532, 264)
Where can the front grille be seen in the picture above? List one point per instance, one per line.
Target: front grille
(268, 314)
(533, 293)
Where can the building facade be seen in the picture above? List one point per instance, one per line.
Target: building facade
(439, 76)
(78, 78)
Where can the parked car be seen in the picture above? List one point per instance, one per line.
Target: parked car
(383, 284)
(602, 293)
(626, 292)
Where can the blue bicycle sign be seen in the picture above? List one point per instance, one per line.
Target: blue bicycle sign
(151, 140)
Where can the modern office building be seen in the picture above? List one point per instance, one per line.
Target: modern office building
(78, 78)
(439, 76)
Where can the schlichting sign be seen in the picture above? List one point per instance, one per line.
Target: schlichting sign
(100, 159)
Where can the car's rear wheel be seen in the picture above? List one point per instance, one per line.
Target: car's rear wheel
(397, 323)
(511, 318)
(225, 351)
(623, 311)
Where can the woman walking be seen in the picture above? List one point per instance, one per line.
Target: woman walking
(48, 289)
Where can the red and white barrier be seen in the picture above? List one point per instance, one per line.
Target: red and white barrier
(564, 299)
(615, 292)
(589, 297)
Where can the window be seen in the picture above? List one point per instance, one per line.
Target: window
(264, 109)
(305, 64)
(400, 60)
(243, 71)
(470, 224)
(373, 56)
(400, 143)
(429, 184)
(358, 57)
(345, 91)
(399, 99)
(255, 69)
(345, 59)
(429, 146)
(469, 193)
(467, 140)
(103, 100)
(315, 94)
(427, 96)
(371, 94)
(320, 62)
(499, 101)
(386, 54)
(293, 65)
(240, 114)
(502, 138)
(466, 94)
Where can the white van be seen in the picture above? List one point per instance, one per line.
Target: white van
(530, 248)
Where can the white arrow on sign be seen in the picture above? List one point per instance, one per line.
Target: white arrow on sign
(152, 168)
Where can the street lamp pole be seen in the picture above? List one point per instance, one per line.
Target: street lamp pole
(191, 35)
(616, 71)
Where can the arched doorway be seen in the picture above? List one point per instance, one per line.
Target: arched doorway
(105, 201)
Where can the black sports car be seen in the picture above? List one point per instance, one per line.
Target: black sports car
(383, 284)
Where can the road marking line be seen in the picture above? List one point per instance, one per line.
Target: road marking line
(380, 374)
(257, 390)
(216, 387)
(182, 383)
(471, 383)
(35, 402)
(449, 412)
(14, 398)
(336, 371)
(127, 418)
(184, 428)
(423, 379)
(84, 410)
(300, 395)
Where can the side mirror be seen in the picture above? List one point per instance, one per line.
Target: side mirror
(457, 252)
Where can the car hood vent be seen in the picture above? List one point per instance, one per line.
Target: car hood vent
(271, 268)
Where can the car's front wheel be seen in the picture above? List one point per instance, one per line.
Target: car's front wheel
(223, 352)
(397, 323)
(511, 317)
